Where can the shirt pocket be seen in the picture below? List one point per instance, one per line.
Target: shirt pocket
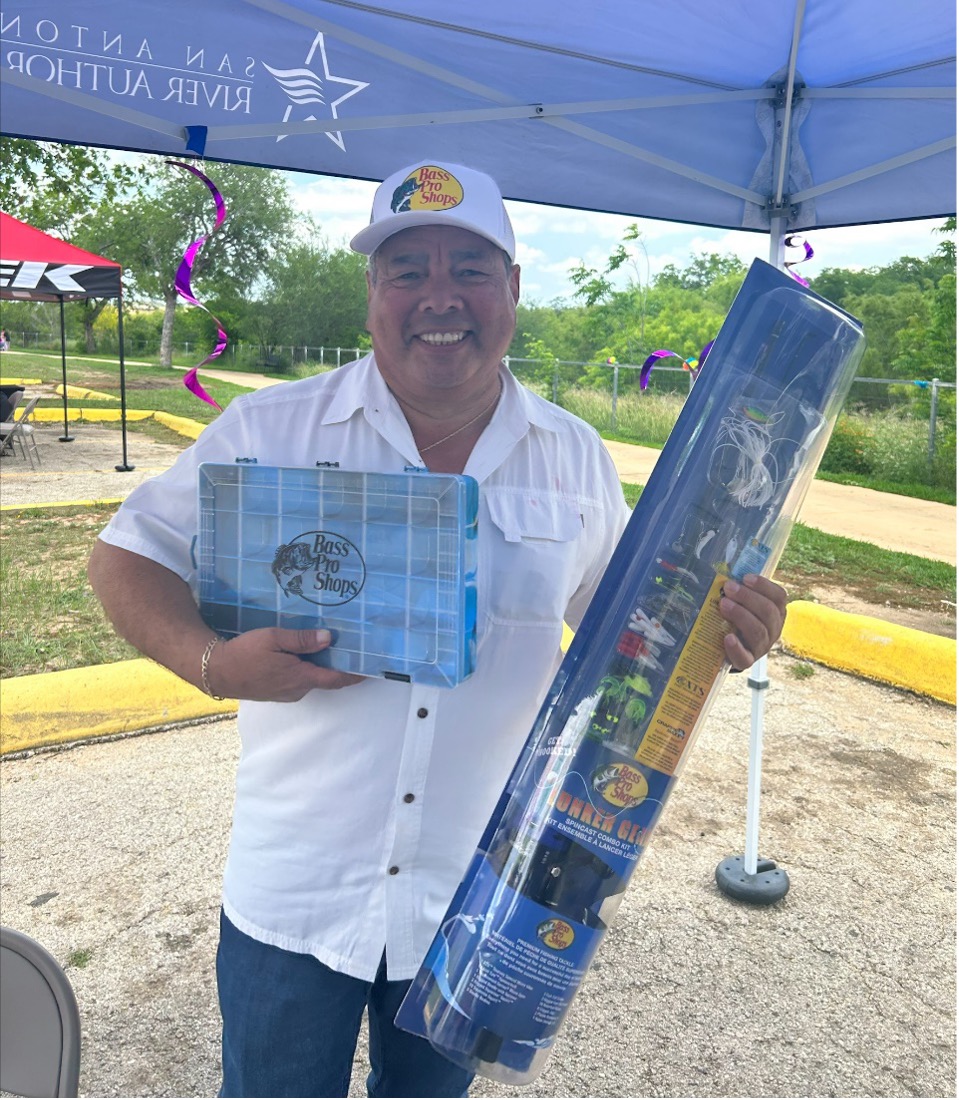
(532, 565)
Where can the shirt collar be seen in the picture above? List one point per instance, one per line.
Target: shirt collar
(362, 388)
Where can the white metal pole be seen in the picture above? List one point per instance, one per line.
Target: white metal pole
(758, 684)
(758, 680)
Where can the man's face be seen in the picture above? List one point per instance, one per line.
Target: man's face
(441, 311)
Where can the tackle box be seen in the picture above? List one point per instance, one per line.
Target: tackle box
(386, 562)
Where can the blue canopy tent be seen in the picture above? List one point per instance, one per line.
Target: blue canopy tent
(773, 117)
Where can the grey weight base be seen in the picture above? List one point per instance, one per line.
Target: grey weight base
(765, 887)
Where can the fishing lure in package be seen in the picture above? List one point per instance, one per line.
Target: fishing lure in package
(624, 709)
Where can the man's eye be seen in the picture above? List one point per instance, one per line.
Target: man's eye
(470, 273)
(407, 276)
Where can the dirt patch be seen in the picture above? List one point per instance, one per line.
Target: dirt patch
(155, 384)
(930, 620)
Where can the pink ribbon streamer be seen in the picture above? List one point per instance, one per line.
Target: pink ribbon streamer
(647, 368)
(182, 285)
(795, 241)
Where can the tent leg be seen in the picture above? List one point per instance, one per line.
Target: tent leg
(66, 437)
(747, 877)
(124, 467)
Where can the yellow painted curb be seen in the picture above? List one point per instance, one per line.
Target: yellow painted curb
(54, 414)
(53, 707)
(78, 394)
(21, 381)
(56, 707)
(52, 504)
(891, 654)
(183, 425)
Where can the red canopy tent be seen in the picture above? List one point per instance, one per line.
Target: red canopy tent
(37, 267)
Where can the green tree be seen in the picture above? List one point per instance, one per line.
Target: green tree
(883, 317)
(172, 209)
(559, 325)
(616, 316)
(52, 187)
(316, 295)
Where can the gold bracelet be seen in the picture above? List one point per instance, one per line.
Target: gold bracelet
(205, 667)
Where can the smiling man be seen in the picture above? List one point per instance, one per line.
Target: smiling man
(357, 810)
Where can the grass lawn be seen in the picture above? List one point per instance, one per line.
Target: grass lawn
(813, 559)
(51, 619)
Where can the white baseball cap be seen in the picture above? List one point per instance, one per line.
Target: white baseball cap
(435, 193)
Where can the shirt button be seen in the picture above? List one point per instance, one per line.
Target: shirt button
(394, 870)
(409, 797)
(422, 712)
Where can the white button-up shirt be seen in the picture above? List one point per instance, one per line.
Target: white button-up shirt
(357, 811)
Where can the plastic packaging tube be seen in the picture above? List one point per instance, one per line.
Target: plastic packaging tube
(624, 710)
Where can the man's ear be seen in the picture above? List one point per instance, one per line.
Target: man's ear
(514, 282)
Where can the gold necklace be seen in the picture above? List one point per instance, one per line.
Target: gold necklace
(463, 427)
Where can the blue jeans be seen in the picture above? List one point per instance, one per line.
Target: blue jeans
(290, 1026)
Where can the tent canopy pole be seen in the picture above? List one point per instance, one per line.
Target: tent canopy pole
(124, 467)
(66, 437)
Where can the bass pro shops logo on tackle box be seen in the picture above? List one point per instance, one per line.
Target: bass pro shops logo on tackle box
(321, 567)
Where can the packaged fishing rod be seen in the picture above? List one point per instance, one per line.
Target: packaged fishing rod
(624, 709)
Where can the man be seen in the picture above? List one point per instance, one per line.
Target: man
(360, 801)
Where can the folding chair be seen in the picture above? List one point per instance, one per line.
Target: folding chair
(22, 433)
(10, 402)
(39, 1021)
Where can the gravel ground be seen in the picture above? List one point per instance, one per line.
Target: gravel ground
(844, 988)
(85, 468)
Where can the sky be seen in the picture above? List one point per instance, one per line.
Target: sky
(551, 240)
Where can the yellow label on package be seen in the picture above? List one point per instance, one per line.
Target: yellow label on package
(671, 727)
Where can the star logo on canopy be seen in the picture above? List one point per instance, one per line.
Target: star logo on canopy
(304, 87)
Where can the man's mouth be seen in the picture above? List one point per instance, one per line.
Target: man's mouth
(439, 339)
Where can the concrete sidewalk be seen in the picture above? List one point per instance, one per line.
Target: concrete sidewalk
(904, 524)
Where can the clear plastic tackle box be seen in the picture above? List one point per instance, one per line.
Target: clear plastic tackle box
(386, 562)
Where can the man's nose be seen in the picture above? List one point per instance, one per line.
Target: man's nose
(440, 295)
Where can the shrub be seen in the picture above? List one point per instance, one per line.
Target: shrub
(850, 448)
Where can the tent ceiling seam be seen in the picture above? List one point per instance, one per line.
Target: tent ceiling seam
(521, 111)
(786, 136)
(939, 61)
(843, 92)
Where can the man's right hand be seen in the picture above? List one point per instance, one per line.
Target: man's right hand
(154, 610)
(267, 665)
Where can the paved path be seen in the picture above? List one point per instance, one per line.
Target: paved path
(905, 524)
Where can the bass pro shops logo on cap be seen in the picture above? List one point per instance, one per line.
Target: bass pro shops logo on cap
(428, 188)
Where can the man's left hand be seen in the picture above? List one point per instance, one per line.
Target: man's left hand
(756, 610)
